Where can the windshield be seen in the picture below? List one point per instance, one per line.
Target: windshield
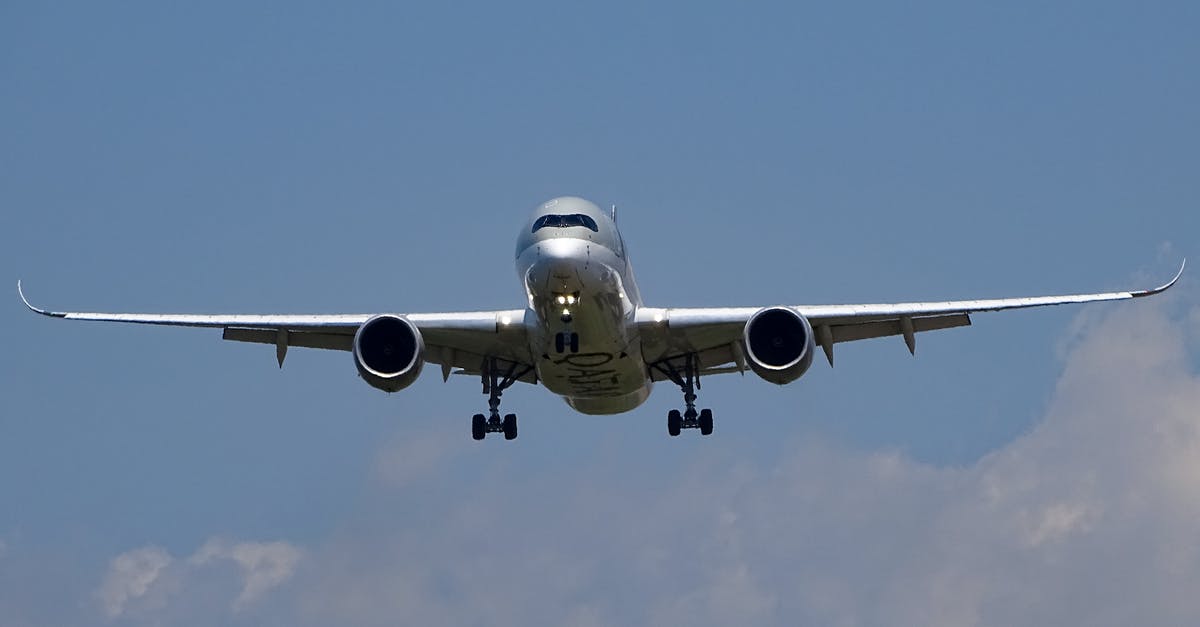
(564, 221)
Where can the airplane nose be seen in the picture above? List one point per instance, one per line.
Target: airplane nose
(561, 257)
(561, 249)
(558, 267)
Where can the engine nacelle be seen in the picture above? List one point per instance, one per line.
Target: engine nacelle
(779, 344)
(389, 352)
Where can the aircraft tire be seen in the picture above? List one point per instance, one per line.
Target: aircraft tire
(674, 422)
(477, 427)
(510, 427)
(706, 422)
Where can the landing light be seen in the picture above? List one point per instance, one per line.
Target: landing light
(570, 299)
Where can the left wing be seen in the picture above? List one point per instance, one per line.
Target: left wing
(452, 340)
(714, 335)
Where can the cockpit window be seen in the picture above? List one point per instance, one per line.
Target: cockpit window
(564, 221)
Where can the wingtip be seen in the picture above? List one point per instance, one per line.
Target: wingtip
(1182, 265)
(1166, 286)
(21, 293)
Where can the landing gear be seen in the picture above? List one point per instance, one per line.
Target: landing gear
(494, 384)
(478, 426)
(705, 422)
(689, 381)
(674, 422)
(563, 341)
(509, 427)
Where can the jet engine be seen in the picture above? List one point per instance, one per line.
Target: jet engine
(388, 351)
(779, 344)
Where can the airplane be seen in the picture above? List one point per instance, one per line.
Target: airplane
(585, 334)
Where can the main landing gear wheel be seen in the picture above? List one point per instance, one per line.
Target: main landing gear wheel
(705, 422)
(494, 384)
(689, 381)
(674, 422)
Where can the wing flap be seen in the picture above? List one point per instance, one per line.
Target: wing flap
(884, 328)
(304, 339)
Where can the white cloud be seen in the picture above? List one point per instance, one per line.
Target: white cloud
(130, 577)
(1056, 522)
(264, 565)
(148, 580)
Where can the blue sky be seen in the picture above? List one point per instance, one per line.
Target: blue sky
(381, 157)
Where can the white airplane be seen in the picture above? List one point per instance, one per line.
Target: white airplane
(584, 333)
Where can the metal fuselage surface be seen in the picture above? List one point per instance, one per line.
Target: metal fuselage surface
(580, 285)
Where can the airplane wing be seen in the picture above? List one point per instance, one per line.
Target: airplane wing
(452, 340)
(714, 335)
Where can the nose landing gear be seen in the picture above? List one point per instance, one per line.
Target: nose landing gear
(565, 341)
(689, 381)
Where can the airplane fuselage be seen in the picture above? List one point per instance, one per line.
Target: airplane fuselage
(582, 303)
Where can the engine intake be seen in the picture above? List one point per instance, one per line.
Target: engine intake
(388, 351)
(779, 344)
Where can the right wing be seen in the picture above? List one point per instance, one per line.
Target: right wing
(714, 335)
(452, 340)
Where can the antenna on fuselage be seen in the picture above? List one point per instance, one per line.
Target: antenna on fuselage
(613, 213)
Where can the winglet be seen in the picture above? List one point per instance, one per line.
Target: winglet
(21, 293)
(1164, 287)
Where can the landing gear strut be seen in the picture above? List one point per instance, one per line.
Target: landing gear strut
(564, 341)
(494, 384)
(689, 381)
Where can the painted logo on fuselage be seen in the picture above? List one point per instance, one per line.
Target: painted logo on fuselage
(591, 374)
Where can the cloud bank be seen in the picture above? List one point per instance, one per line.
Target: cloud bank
(1092, 517)
(142, 583)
